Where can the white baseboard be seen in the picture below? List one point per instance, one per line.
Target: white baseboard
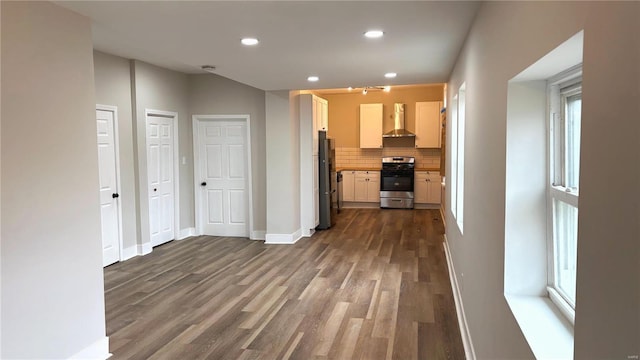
(145, 249)
(99, 350)
(258, 235)
(470, 353)
(130, 252)
(185, 233)
(308, 232)
(283, 238)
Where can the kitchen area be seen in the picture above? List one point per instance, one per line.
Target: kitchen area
(387, 147)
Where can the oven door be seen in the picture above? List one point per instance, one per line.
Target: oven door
(393, 183)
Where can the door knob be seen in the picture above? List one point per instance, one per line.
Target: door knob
(115, 195)
(155, 189)
(204, 183)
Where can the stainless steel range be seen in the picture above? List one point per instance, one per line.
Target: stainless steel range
(396, 182)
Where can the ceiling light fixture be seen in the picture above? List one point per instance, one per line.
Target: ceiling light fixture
(249, 41)
(208, 68)
(366, 89)
(374, 34)
(390, 75)
(313, 78)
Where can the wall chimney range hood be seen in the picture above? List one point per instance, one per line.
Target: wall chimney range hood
(398, 123)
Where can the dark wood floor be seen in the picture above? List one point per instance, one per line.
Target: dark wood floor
(375, 286)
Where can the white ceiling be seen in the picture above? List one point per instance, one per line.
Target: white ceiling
(297, 39)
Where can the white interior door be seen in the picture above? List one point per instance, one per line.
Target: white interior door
(160, 179)
(109, 204)
(223, 171)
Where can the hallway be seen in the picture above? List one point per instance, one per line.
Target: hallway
(375, 286)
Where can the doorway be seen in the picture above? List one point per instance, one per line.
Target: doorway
(109, 180)
(162, 181)
(222, 172)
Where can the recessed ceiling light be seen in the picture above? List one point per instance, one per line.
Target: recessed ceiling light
(313, 78)
(249, 41)
(374, 34)
(208, 68)
(390, 75)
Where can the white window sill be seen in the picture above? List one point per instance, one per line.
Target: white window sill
(548, 332)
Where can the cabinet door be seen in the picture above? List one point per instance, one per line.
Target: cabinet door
(314, 115)
(434, 191)
(323, 114)
(373, 189)
(348, 183)
(428, 124)
(421, 187)
(360, 187)
(371, 126)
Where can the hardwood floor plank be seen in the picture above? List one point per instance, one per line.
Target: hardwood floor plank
(331, 327)
(374, 286)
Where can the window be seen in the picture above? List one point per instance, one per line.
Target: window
(460, 160)
(565, 97)
(457, 156)
(454, 156)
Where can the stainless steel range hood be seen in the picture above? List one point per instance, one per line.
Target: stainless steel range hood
(398, 123)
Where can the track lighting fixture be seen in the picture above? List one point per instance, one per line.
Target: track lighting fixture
(366, 89)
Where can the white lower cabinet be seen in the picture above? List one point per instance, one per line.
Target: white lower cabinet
(427, 187)
(367, 186)
(348, 185)
(360, 186)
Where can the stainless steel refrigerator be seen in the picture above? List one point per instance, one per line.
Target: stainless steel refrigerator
(327, 186)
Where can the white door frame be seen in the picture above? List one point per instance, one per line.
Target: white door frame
(116, 145)
(176, 168)
(199, 201)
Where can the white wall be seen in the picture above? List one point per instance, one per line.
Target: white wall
(608, 286)
(283, 170)
(52, 284)
(525, 187)
(157, 88)
(211, 94)
(506, 38)
(113, 87)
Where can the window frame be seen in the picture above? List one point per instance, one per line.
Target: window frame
(559, 87)
(454, 158)
(458, 117)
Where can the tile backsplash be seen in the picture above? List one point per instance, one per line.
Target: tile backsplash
(347, 156)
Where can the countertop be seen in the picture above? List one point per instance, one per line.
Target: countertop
(427, 169)
(363, 168)
(358, 168)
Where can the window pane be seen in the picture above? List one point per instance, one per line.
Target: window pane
(572, 115)
(453, 182)
(460, 162)
(565, 234)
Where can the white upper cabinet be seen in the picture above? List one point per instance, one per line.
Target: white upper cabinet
(322, 113)
(428, 124)
(370, 126)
